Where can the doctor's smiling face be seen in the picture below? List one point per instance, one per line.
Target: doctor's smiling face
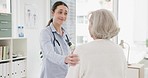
(60, 14)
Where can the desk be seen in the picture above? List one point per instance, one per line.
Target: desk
(145, 62)
(135, 71)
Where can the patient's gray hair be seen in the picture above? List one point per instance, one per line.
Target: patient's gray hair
(104, 24)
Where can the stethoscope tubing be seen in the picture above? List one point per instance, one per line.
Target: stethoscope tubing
(67, 40)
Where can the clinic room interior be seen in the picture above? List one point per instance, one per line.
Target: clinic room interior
(21, 22)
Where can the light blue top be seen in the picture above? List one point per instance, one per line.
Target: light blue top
(53, 65)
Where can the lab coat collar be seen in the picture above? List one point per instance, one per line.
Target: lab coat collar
(53, 28)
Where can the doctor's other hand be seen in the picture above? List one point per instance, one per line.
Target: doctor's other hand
(72, 59)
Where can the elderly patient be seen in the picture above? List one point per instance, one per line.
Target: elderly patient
(100, 58)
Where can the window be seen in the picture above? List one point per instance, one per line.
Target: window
(80, 19)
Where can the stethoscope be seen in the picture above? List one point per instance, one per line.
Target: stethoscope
(55, 40)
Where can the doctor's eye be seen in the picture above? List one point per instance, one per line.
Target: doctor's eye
(65, 13)
(60, 12)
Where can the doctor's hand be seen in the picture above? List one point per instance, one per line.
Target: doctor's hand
(72, 59)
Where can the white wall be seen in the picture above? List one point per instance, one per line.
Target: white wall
(132, 18)
(140, 19)
(34, 62)
(32, 34)
(126, 19)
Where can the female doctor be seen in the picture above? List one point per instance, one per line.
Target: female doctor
(55, 44)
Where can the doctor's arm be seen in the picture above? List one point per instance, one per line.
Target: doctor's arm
(50, 54)
(48, 48)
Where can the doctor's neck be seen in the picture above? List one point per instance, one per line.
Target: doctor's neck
(58, 28)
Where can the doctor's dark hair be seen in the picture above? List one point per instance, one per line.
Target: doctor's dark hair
(54, 7)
